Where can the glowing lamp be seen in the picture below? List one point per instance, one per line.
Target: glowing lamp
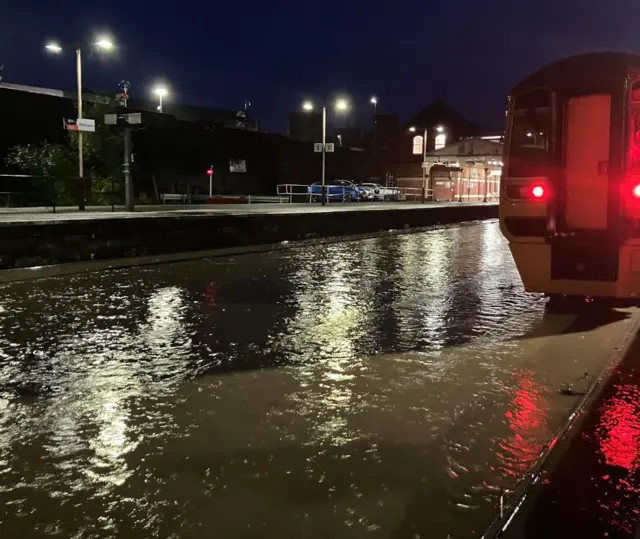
(538, 191)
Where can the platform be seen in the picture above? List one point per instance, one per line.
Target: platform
(37, 238)
(43, 215)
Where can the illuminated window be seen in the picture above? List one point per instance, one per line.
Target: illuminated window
(441, 141)
(417, 145)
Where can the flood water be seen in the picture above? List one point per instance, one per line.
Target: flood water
(387, 387)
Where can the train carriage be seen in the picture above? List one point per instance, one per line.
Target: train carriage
(570, 194)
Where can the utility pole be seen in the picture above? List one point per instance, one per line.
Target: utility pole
(247, 104)
(126, 167)
(83, 191)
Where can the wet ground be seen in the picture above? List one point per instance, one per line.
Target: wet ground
(388, 387)
(591, 484)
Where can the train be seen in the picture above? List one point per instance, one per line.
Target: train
(570, 189)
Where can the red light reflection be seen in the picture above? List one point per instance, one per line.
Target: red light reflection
(619, 430)
(527, 419)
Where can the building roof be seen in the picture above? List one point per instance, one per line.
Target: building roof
(440, 113)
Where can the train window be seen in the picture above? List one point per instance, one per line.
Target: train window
(634, 143)
(529, 133)
(533, 100)
(531, 121)
(635, 91)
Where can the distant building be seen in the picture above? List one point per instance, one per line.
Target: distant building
(466, 169)
(306, 126)
(350, 137)
(386, 129)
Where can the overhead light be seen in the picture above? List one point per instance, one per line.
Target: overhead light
(53, 47)
(105, 44)
(342, 104)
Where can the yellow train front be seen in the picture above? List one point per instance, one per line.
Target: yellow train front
(570, 195)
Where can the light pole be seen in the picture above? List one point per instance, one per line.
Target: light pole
(102, 43)
(341, 105)
(374, 102)
(424, 161)
(161, 92)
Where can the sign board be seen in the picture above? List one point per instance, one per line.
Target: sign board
(110, 119)
(134, 118)
(81, 124)
(85, 124)
(237, 165)
(317, 147)
(330, 147)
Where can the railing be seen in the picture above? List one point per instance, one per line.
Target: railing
(183, 198)
(292, 192)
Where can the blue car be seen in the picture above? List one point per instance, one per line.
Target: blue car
(337, 190)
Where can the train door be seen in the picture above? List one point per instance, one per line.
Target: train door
(586, 170)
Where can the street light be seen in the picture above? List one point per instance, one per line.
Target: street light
(53, 47)
(374, 102)
(413, 129)
(105, 44)
(161, 92)
(341, 105)
(439, 129)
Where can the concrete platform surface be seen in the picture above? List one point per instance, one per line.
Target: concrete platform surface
(44, 215)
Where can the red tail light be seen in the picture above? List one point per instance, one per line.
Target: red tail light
(530, 189)
(631, 197)
(538, 191)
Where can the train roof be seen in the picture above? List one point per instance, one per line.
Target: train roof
(580, 69)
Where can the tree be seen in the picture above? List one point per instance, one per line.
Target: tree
(103, 154)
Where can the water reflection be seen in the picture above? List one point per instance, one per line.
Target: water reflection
(332, 390)
(527, 420)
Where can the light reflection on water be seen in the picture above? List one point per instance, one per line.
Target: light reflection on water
(358, 388)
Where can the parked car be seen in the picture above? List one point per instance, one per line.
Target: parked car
(368, 192)
(381, 192)
(337, 190)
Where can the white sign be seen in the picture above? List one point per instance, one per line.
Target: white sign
(237, 165)
(85, 124)
(134, 118)
(110, 119)
(317, 147)
(330, 147)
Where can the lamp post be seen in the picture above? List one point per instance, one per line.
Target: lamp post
(374, 102)
(161, 92)
(413, 129)
(341, 105)
(102, 43)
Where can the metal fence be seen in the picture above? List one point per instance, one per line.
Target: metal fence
(292, 192)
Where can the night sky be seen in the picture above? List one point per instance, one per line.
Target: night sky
(277, 53)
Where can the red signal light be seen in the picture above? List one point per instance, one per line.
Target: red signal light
(538, 191)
